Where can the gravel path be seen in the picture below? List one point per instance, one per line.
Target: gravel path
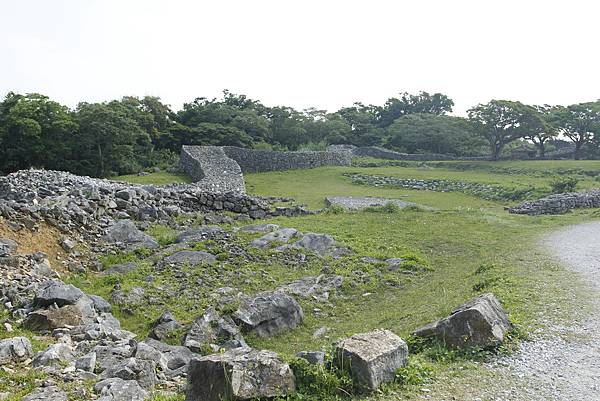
(563, 363)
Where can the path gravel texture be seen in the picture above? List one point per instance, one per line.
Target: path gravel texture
(563, 362)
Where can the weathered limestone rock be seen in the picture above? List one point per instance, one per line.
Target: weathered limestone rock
(259, 228)
(372, 357)
(191, 258)
(211, 329)
(283, 235)
(56, 292)
(318, 288)
(7, 247)
(81, 312)
(55, 354)
(269, 314)
(238, 374)
(116, 389)
(125, 232)
(313, 357)
(87, 362)
(142, 371)
(164, 326)
(16, 349)
(480, 322)
(51, 393)
(199, 234)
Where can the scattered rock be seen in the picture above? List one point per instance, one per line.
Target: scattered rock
(259, 228)
(372, 357)
(240, 374)
(7, 247)
(87, 362)
(313, 357)
(479, 322)
(56, 292)
(142, 371)
(122, 268)
(200, 234)
(318, 288)
(269, 314)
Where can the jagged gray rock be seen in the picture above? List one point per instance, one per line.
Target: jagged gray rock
(117, 389)
(55, 354)
(164, 326)
(240, 374)
(479, 322)
(16, 349)
(199, 234)
(318, 288)
(51, 393)
(283, 235)
(56, 292)
(140, 370)
(125, 232)
(372, 357)
(269, 314)
(7, 247)
(211, 329)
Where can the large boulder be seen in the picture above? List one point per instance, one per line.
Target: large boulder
(125, 232)
(56, 354)
(117, 389)
(269, 314)
(372, 358)
(16, 349)
(214, 331)
(56, 292)
(321, 244)
(82, 312)
(191, 258)
(239, 374)
(141, 370)
(176, 356)
(479, 322)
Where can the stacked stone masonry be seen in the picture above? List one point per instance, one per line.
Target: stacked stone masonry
(212, 170)
(559, 203)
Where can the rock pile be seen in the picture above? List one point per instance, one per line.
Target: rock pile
(559, 203)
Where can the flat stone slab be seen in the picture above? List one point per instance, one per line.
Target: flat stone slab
(350, 202)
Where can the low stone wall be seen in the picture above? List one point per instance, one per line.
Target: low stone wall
(257, 161)
(212, 170)
(381, 153)
(559, 203)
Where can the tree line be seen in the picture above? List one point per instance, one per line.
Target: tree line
(128, 135)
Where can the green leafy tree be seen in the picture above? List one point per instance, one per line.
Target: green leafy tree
(540, 130)
(430, 133)
(578, 122)
(500, 122)
(422, 102)
(35, 132)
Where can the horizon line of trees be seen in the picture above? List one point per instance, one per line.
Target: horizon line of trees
(128, 135)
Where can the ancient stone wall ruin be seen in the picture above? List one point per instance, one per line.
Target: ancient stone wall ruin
(257, 161)
(212, 170)
(219, 169)
(559, 203)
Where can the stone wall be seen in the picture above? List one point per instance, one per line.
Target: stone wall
(212, 170)
(256, 161)
(381, 153)
(559, 203)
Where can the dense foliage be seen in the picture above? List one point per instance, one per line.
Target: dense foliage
(131, 134)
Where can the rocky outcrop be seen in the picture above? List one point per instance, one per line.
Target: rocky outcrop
(269, 314)
(212, 331)
(479, 322)
(350, 202)
(126, 233)
(372, 358)
(239, 374)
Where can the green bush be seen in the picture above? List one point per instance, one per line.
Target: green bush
(321, 382)
(563, 184)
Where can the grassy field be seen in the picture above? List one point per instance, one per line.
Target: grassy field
(470, 245)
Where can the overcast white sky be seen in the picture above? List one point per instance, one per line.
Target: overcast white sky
(325, 54)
